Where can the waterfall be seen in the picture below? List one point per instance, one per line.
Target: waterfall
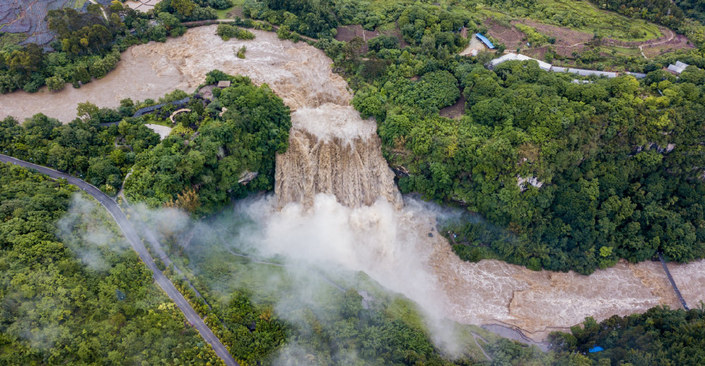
(333, 151)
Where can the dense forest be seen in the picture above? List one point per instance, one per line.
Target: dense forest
(86, 46)
(662, 12)
(693, 8)
(347, 333)
(658, 337)
(223, 151)
(102, 155)
(589, 174)
(78, 298)
(672, 14)
(81, 312)
(346, 319)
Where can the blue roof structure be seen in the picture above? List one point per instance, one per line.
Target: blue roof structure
(485, 41)
(596, 349)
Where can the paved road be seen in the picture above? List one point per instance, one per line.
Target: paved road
(131, 235)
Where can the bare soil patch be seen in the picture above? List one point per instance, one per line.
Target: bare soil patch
(538, 53)
(454, 111)
(563, 36)
(347, 33)
(511, 37)
(475, 46)
(567, 40)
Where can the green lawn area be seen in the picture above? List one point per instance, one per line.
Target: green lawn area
(624, 51)
(223, 14)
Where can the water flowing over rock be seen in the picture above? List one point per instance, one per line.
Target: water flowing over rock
(332, 151)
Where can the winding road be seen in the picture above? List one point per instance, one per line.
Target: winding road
(131, 235)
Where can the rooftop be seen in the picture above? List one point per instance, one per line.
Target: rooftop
(484, 40)
(678, 68)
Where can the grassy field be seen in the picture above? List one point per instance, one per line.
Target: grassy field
(224, 14)
(582, 16)
(626, 51)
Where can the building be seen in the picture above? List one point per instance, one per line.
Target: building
(548, 67)
(584, 72)
(224, 84)
(638, 75)
(485, 40)
(678, 68)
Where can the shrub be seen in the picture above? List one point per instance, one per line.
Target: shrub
(227, 31)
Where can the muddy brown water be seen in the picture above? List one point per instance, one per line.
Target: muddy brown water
(488, 292)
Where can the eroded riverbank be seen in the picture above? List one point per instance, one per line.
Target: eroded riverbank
(480, 293)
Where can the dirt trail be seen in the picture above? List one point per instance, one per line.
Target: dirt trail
(488, 292)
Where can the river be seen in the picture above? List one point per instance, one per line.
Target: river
(335, 189)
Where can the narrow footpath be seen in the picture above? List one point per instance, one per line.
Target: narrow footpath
(131, 235)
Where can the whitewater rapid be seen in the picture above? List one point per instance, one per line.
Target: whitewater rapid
(335, 190)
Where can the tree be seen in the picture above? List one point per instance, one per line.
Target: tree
(55, 83)
(184, 8)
